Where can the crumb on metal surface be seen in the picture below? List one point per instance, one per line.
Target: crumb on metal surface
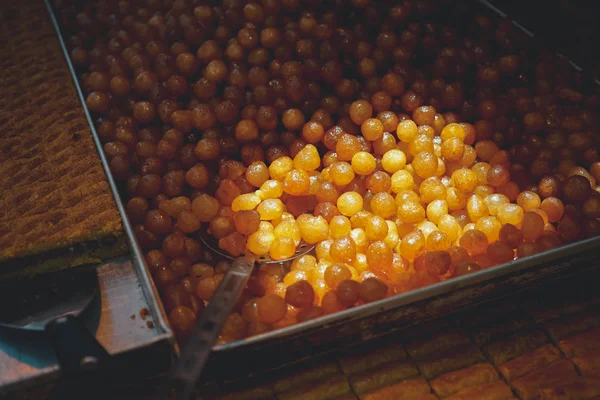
(144, 313)
(132, 316)
(150, 324)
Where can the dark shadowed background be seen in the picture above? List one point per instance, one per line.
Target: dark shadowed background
(569, 26)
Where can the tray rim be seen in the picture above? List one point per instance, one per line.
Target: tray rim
(139, 265)
(405, 299)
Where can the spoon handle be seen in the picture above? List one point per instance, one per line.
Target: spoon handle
(75, 346)
(190, 364)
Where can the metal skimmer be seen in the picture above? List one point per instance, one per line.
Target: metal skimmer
(195, 353)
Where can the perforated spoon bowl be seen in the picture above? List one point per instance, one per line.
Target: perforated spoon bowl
(211, 243)
(195, 353)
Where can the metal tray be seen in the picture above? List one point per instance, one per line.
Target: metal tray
(358, 324)
(27, 358)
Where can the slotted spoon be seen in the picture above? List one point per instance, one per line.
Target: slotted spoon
(195, 353)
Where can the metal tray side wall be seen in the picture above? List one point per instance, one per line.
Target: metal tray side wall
(147, 285)
(459, 310)
(568, 259)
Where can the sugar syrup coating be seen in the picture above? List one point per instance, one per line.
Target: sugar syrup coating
(222, 122)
